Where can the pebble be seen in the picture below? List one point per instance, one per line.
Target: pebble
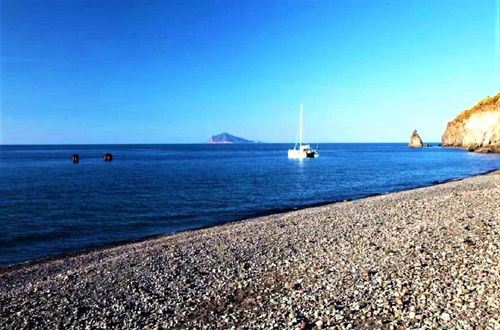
(445, 316)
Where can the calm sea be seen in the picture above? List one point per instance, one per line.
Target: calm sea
(50, 206)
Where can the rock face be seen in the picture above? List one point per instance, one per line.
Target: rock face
(415, 140)
(226, 138)
(476, 129)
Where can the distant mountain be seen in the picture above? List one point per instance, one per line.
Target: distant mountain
(226, 138)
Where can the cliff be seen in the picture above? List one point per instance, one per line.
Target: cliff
(476, 129)
(415, 140)
(226, 138)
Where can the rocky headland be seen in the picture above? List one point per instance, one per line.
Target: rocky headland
(476, 129)
(426, 258)
(415, 140)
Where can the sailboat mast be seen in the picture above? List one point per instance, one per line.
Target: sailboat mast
(300, 129)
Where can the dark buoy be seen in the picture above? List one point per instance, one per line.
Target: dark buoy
(108, 157)
(75, 158)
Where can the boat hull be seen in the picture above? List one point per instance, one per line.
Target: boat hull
(296, 154)
(301, 154)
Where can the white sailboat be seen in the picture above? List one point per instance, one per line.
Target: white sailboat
(302, 151)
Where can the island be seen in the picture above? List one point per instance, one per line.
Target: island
(226, 138)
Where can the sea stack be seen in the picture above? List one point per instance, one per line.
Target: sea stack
(415, 140)
(476, 129)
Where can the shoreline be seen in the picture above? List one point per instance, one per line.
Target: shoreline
(426, 257)
(257, 215)
(490, 150)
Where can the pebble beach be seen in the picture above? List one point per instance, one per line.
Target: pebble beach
(423, 258)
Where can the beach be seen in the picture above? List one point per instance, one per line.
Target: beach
(428, 257)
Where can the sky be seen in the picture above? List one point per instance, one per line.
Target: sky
(179, 71)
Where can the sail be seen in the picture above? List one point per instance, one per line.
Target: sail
(301, 124)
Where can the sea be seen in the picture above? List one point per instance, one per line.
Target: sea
(51, 207)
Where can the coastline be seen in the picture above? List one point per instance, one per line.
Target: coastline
(308, 262)
(270, 212)
(491, 150)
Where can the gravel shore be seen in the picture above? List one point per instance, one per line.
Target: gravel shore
(428, 258)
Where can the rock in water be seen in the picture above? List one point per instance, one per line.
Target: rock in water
(415, 140)
(476, 129)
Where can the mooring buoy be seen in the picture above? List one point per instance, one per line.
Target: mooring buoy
(108, 157)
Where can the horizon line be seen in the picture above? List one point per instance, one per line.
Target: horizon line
(198, 143)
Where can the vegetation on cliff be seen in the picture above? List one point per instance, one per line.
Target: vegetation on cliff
(486, 104)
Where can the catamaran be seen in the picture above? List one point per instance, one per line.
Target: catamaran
(302, 151)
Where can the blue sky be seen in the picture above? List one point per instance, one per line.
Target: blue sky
(180, 71)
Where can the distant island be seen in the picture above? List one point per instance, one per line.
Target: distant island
(226, 138)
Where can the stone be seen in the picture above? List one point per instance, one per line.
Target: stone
(445, 316)
(415, 140)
